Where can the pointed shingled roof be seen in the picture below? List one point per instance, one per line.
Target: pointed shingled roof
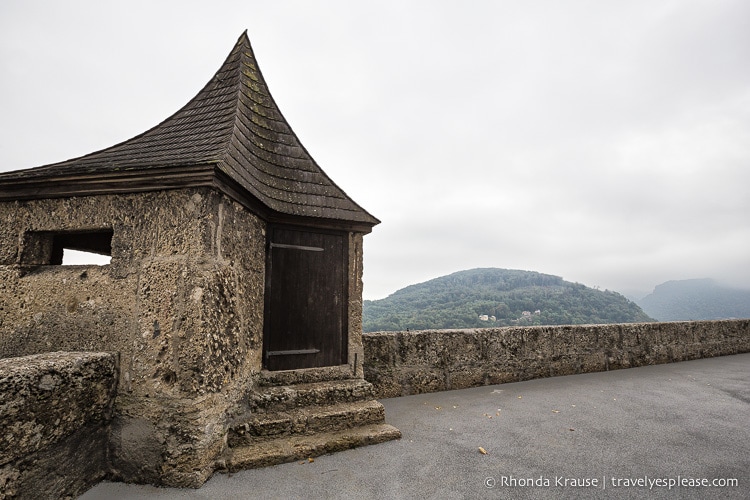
(231, 136)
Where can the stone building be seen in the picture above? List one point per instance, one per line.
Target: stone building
(233, 295)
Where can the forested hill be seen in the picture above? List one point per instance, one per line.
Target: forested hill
(483, 298)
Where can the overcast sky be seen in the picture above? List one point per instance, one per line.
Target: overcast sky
(607, 142)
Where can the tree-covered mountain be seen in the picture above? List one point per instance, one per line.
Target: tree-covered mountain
(700, 299)
(481, 298)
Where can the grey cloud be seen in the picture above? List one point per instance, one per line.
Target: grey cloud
(602, 141)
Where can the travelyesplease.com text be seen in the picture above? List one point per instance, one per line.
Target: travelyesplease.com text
(604, 482)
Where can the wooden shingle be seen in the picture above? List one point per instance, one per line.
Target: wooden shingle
(230, 136)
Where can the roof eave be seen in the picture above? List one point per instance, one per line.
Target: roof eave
(117, 181)
(230, 187)
(124, 181)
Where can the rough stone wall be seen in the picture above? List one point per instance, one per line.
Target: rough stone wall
(54, 412)
(355, 349)
(67, 308)
(402, 363)
(181, 301)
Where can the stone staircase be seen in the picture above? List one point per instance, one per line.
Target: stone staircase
(295, 418)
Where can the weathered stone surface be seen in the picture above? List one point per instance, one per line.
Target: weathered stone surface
(46, 397)
(182, 302)
(402, 363)
(276, 398)
(55, 410)
(167, 440)
(281, 450)
(305, 376)
(354, 309)
(306, 419)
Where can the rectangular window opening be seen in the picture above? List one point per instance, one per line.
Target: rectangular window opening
(84, 248)
(91, 247)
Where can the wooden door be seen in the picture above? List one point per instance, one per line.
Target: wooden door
(305, 308)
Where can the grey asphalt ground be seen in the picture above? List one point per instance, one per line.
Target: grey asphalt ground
(679, 423)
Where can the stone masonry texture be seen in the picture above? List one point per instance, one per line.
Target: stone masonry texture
(403, 363)
(181, 302)
(55, 410)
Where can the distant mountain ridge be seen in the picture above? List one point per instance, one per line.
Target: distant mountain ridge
(697, 299)
(487, 297)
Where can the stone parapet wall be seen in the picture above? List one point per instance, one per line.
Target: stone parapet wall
(55, 410)
(403, 363)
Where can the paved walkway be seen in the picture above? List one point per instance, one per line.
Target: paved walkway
(619, 434)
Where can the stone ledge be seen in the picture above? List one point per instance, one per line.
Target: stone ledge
(304, 421)
(289, 449)
(404, 363)
(54, 405)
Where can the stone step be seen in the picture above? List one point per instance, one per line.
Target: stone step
(307, 420)
(286, 397)
(289, 449)
(304, 376)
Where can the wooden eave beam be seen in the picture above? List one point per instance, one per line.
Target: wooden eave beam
(160, 179)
